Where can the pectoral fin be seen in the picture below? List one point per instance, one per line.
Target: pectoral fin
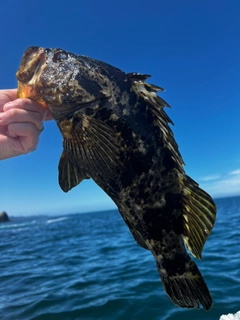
(69, 176)
(93, 149)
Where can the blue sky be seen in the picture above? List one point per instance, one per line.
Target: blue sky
(191, 48)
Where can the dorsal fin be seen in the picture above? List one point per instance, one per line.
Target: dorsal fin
(135, 76)
(156, 104)
(139, 79)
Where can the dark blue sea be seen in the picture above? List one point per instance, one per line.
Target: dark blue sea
(87, 266)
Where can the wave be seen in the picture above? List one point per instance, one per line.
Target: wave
(57, 220)
(230, 316)
(17, 225)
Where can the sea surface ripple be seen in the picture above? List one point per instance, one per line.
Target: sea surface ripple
(87, 266)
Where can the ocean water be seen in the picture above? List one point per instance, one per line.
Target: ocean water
(87, 266)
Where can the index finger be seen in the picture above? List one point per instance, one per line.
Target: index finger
(27, 104)
(6, 96)
(11, 94)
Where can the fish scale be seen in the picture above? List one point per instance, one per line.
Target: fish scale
(116, 132)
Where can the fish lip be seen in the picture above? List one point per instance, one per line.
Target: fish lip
(32, 61)
(30, 71)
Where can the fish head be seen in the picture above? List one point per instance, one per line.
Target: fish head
(60, 80)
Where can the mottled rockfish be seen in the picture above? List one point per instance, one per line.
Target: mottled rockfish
(116, 132)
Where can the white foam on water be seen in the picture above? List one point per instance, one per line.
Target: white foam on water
(57, 220)
(230, 316)
(21, 225)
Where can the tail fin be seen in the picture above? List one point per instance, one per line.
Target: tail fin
(186, 288)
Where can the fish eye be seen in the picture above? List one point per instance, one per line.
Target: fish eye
(60, 56)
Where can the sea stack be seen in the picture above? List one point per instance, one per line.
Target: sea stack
(4, 217)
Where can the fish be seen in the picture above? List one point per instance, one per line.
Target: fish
(115, 131)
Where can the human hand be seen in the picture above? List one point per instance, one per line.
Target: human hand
(20, 124)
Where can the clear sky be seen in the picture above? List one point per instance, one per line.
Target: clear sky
(191, 48)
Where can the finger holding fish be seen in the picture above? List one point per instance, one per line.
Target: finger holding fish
(21, 122)
(18, 138)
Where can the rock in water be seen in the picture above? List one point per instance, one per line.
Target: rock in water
(116, 132)
(4, 217)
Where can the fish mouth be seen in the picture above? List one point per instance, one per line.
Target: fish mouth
(33, 62)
